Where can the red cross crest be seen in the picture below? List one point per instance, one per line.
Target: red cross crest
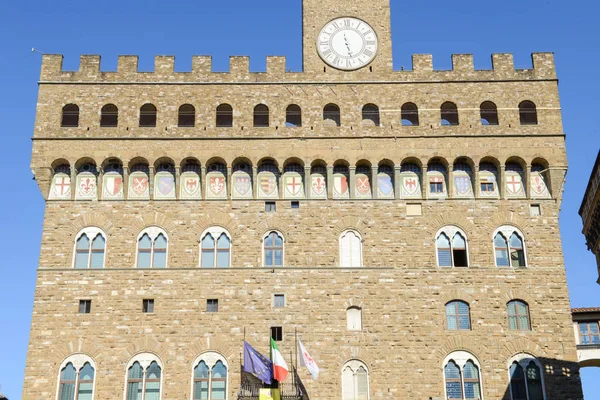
(63, 186)
(293, 185)
(514, 184)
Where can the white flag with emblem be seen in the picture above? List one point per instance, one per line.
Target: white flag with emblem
(307, 361)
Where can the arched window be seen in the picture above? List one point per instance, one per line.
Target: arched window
(539, 188)
(370, 114)
(354, 318)
(144, 377)
(528, 113)
(462, 376)
(148, 116)
(109, 116)
(526, 378)
(70, 116)
(385, 182)
(489, 113)
(509, 247)
(409, 114)
(518, 315)
(152, 248)
(215, 248)
(331, 115)
(261, 116)
(187, 116)
(458, 316)
(76, 378)
(449, 114)
(452, 249)
(61, 183)
(273, 249)
(224, 116)
(90, 244)
(350, 249)
(355, 381)
(293, 116)
(210, 377)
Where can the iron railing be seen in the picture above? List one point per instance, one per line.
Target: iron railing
(291, 389)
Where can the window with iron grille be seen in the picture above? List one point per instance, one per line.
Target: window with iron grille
(212, 305)
(148, 305)
(277, 333)
(85, 306)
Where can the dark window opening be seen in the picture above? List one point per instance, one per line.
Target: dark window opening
(293, 116)
(295, 204)
(331, 113)
(528, 113)
(109, 116)
(270, 206)
(410, 115)
(85, 306)
(224, 116)
(277, 333)
(460, 257)
(70, 116)
(187, 116)
(370, 112)
(449, 114)
(148, 116)
(148, 305)
(489, 113)
(261, 116)
(212, 305)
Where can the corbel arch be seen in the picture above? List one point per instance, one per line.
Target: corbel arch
(350, 223)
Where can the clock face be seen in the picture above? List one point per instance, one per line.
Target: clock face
(347, 43)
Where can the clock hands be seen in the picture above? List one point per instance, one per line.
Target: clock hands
(347, 45)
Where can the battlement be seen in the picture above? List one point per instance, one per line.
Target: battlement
(463, 69)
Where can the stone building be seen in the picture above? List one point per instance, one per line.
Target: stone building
(590, 213)
(402, 224)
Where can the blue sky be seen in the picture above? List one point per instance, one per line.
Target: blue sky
(273, 27)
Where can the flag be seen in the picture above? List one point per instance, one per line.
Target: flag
(280, 368)
(307, 361)
(256, 363)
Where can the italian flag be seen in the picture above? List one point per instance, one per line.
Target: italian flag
(280, 368)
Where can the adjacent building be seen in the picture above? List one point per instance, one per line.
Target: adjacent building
(590, 213)
(402, 224)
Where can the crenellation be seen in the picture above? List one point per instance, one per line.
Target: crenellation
(89, 66)
(503, 62)
(164, 66)
(422, 63)
(127, 66)
(239, 67)
(201, 65)
(276, 65)
(543, 64)
(462, 63)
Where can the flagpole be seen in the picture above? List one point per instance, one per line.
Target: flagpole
(296, 345)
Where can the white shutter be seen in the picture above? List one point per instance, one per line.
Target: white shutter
(355, 245)
(354, 316)
(348, 384)
(345, 251)
(362, 384)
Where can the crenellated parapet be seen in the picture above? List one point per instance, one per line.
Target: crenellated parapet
(463, 69)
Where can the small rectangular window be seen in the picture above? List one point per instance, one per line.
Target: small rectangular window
(295, 204)
(148, 305)
(487, 187)
(85, 306)
(436, 187)
(270, 206)
(589, 333)
(278, 300)
(277, 333)
(414, 210)
(212, 305)
(535, 210)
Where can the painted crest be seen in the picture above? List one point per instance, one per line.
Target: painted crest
(139, 185)
(319, 187)
(514, 185)
(340, 185)
(538, 186)
(86, 186)
(165, 185)
(293, 185)
(385, 185)
(61, 188)
(217, 184)
(363, 186)
(462, 185)
(190, 186)
(268, 184)
(410, 186)
(113, 185)
(242, 185)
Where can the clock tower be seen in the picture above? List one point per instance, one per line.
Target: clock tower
(346, 35)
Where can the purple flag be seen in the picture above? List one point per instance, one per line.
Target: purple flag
(256, 363)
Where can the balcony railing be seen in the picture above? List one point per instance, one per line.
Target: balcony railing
(291, 389)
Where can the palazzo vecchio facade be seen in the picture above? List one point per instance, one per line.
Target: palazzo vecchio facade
(402, 224)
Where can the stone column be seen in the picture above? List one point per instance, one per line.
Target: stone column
(502, 188)
(73, 182)
(125, 182)
(307, 183)
(352, 182)
(280, 185)
(203, 186)
(329, 182)
(228, 184)
(476, 184)
(177, 182)
(99, 182)
(397, 183)
(254, 183)
(151, 183)
(424, 183)
(526, 184)
(450, 182)
(374, 182)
